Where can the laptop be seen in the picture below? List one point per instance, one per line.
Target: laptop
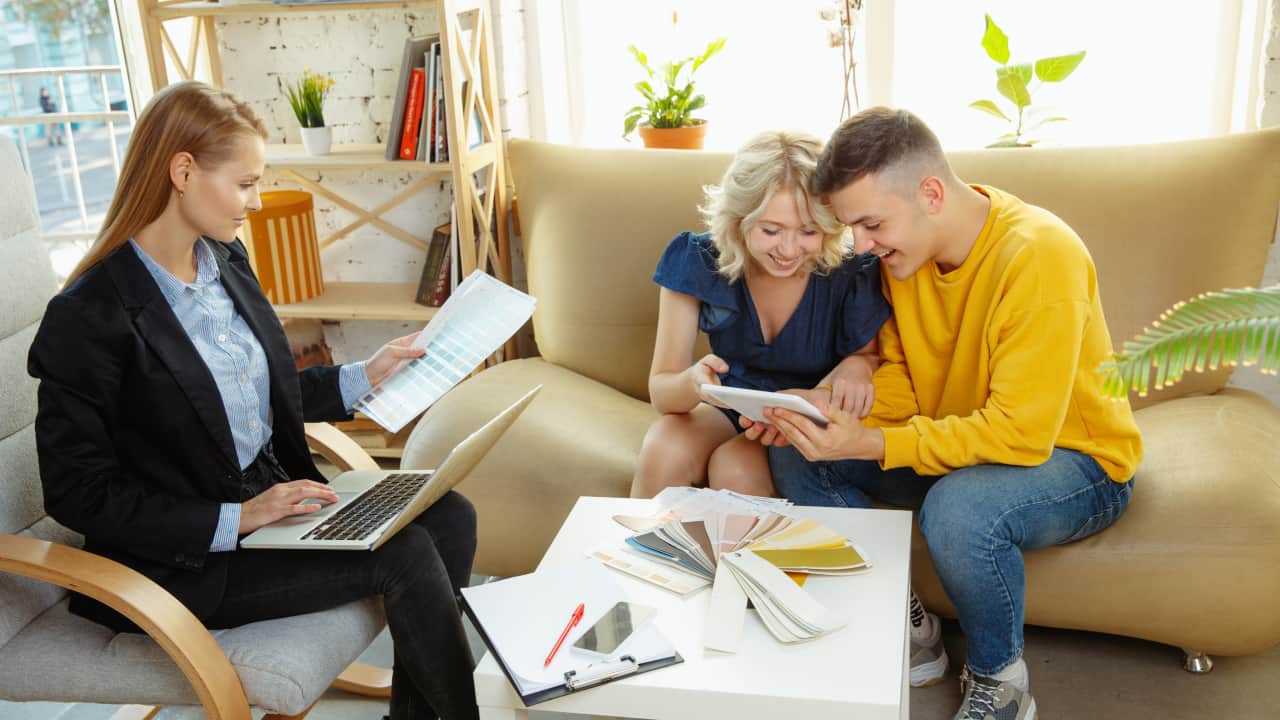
(374, 504)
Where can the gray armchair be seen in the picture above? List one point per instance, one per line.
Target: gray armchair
(47, 654)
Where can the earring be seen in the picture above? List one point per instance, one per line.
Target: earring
(180, 195)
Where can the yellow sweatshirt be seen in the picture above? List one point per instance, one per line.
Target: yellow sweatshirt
(996, 361)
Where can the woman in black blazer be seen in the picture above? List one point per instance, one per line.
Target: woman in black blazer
(171, 415)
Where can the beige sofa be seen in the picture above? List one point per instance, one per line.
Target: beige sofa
(1194, 563)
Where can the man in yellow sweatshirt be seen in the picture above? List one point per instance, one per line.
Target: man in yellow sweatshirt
(989, 413)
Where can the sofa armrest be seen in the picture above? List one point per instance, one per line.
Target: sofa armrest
(148, 605)
(333, 445)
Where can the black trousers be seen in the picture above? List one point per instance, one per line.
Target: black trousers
(418, 573)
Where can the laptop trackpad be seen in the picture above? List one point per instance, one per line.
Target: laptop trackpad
(328, 509)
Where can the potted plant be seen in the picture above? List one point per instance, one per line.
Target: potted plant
(1014, 83)
(306, 97)
(665, 121)
(1217, 328)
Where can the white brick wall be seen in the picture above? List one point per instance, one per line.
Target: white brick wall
(362, 52)
(1250, 378)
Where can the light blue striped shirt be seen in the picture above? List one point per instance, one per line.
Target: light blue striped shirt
(237, 362)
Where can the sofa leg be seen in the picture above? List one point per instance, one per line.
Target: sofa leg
(1196, 662)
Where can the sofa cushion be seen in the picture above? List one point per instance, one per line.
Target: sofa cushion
(77, 660)
(578, 437)
(1200, 533)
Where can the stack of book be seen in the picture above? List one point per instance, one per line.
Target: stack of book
(419, 124)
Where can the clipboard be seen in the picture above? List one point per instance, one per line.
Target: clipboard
(519, 618)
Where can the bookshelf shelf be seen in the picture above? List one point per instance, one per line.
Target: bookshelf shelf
(203, 8)
(360, 301)
(354, 156)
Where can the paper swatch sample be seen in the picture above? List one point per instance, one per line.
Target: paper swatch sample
(472, 324)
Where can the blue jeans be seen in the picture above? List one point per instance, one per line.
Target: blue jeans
(976, 522)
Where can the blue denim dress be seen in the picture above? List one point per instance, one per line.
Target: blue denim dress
(840, 312)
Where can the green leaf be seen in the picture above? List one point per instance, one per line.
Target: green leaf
(995, 42)
(989, 107)
(1217, 328)
(1010, 83)
(696, 103)
(646, 90)
(629, 125)
(713, 47)
(1057, 68)
(1041, 123)
(1005, 144)
(641, 58)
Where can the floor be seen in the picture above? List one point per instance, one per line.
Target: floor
(1073, 675)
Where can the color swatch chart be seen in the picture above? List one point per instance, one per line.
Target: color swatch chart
(480, 315)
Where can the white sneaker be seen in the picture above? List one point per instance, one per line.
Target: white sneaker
(928, 657)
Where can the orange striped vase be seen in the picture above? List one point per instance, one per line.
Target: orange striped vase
(281, 238)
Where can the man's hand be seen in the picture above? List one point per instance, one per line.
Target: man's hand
(283, 500)
(844, 437)
(389, 356)
(767, 434)
(707, 371)
(851, 388)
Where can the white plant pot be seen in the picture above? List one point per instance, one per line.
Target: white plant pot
(317, 140)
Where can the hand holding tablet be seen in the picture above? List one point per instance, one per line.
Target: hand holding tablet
(751, 403)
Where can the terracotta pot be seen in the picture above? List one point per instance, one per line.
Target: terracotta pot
(689, 137)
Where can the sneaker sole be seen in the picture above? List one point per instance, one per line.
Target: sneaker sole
(931, 673)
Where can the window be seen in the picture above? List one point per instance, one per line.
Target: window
(63, 99)
(1153, 71)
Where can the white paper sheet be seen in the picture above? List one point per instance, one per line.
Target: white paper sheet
(473, 323)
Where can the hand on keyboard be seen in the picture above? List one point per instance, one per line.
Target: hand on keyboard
(283, 500)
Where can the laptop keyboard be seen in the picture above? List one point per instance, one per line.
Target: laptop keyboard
(379, 504)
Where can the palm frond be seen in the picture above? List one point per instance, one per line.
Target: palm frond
(1229, 327)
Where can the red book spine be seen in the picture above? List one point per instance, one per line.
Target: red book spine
(412, 115)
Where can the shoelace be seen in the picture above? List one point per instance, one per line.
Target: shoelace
(982, 699)
(917, 611)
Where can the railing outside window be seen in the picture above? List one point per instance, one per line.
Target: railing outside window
(73, 155)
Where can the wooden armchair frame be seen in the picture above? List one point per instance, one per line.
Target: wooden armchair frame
(169, 622)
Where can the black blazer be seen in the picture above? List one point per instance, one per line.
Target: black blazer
(135, 449)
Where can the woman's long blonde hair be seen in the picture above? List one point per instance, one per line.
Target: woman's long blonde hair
(184, 117)
(771, 162)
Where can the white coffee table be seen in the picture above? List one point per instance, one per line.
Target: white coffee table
(857, 672)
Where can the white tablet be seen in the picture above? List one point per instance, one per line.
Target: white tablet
(752, 403)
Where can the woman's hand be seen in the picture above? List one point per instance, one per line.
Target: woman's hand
(283, 500)
(389, 356)
(707, 371)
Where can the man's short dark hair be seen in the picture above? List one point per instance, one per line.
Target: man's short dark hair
(872, 141)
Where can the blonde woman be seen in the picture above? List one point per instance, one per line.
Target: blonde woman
(785, 304)
(171, 415)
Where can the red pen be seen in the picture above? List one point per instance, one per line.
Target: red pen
(573, 620)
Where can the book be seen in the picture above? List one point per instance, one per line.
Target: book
(519, 619)
(431, 266)
(413, 115)
(425, 137)
(440, 293)
(415, 49)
